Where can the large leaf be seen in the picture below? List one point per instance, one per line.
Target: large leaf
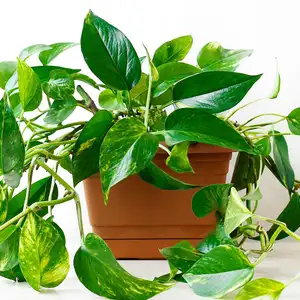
(12, 150)
(109, 54)
(85, 160)
(126, 150)
(214, 92)
(43, 72)
(7, 69)
(213, 57)
(32, 50)
(282, 161)
(29, 87)
(98, 271)
(211, 198)
(220, 271)
(293, 120)
(55, 49)
(60, 110)
(192, 124)
(174, 50)
(43, 257)
(261, 288)
(3, 205)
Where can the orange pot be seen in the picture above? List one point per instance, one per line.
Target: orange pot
(140, 219)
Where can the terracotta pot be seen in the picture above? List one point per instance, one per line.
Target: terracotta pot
(140, 219)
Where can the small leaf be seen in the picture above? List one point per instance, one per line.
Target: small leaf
(211, 198)
(139, 92)
(255, 196)
(86, 79)
(111, 101)
(277, 83)
(109, 54)
(167, 277)
(99, 272)
(7, 69)
(133, 149)
(3, 205)
(293, 120)
(54, 50)
(60, 111)
(43, 257)
(174, 50)
(31, 50)
(157, 177)
(236, 212)
(213, 57)
(261, 287)
(14, 274)
(263, 146)
(43, 72)
(153, 70)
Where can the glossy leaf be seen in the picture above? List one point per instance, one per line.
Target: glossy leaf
(236, 212)
(139, 92)
(227, 265)
(167, 277)
(47, 56)
(43, 72)
(211, 198)
(159, 178)
(293, 120)
(60, 111)
(14, 274)
(261, 287)
(7, 69)
(85, 159)
(282, 161)
(214, 92)
(174, 50)
(213, 57)
(43, 257)
(152, 69)
(126, 150)
(277, 84)
(195, 125)
(66, 164)
(60, 86)
(111, 101)
(263, 146)
(3, 205)
(99, 272)
(29, 87)
(86, 79)
(109, 54)
(31, 50)
(15, 103)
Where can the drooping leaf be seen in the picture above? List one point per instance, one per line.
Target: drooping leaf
(293, 120)
(211, 198)
(133, 149)
(7, 69)
(213, 57)
(3, 206)
(29, 87)
(111, 101)
(43, 257)
(54, 50)
(99, 272)
(236, 212)
(86, 79)
(261, 288)
(174, 50)
(43, 72)
(159, 178)
(196, 125)
(14, 274)
(32, 50)
(85, 161)
(182, 256)
(109, 54)
(214, 92)
(270, 164)
(57, 227)
(220, 271)
(60, 111)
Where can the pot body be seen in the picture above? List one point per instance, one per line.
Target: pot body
(140, 219)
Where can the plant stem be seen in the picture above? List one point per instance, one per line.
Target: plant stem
(261, 115)
(146, 120)
(52, 187)
(164, 148)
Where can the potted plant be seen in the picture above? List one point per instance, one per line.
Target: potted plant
(134, 135)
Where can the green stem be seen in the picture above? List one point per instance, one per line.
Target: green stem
(52, 187)
(259, 116)
(146, 120)
(293, 279)
(164, 148)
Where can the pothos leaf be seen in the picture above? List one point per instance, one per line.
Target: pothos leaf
(31, 50)
(14, 274)
(293, 120)
(7, 69)
(153, 70)
(3, 205)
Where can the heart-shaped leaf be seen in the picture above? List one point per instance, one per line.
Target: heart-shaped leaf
(293, 120)
(99, 272)
(263, 146)
(31, 50)
(43, 72)
(109, 54)
(7, 69)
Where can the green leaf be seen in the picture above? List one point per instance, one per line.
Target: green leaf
(153, 70)
(220, 271)
(178, 161)
(43, 72)
(15, 102)
(195, 125)
(29, 87)
(293, 120)
(7, 69)
(182, 256)
(87, 148)
(157, 177)
(236, 212)
(167, 277)
(43, 257)
(39, 192)
(54, 50)
(3, 206)
(213, 57)
(277, 84)
(14, 274)
(32, 50)
(133, 149)
(86, 79)
(263, 146)
(109, 54)
(261, 287)
(60, 111)
(99, 272)
(12, 150)
(174, 50)
(211, 198)
(111, 101)
(139, 92)
(60, 86)
(214, 239)
(282, 161)
(9, 247)
(214, 92)
(66, 163)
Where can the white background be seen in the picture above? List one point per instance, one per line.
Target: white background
(271, 28)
